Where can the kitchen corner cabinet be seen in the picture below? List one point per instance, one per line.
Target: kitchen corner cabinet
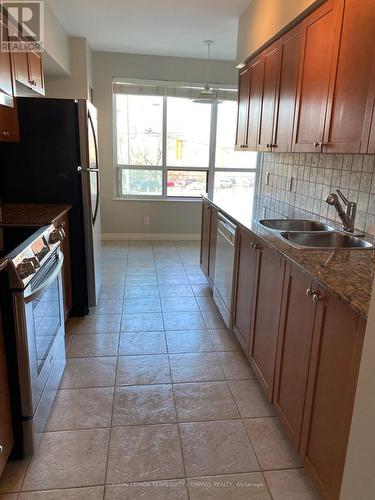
(9, 130)
(208, 240)
(63, 223)
(263, 342)
(334, 366)
(6, 432)
(244, 289)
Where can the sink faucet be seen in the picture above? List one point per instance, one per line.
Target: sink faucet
(347, 217)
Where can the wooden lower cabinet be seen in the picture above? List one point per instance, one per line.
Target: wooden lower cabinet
(293, 352)
(334, 366)
(262, 353)
(205, 237)
(63, 223)
(245, 279)
(6, 432)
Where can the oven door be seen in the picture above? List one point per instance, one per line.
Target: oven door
(40, 331)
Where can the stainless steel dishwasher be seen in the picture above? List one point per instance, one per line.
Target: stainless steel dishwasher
(224, 267)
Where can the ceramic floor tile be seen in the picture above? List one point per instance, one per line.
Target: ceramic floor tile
(80, 455)
(212, 448)
(213, 320)
(151, 304)
(107, 306)
(202, 290)
(236, 366)
(142, 343)
(250, 486)
(102, 323)
(90, 493)
(183, 321)
(141, 291)
(144, 454)
(292, 484)
(81, 409)
(172, 279)
(143, 370)
(111, 292)
(197, 367)
(135, 270)
(179, 304)
(196, 279)
(139, 279)
(250, 399)
(189, 341)
(224, 340)
(271, 444)
(206, 304)
(204, 401)
(143, 404)
(155, 490)
(143, 322)
(176, 291)
(82, 346)
(89, 372)
(13, 475)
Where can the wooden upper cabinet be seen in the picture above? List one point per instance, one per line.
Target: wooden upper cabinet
(205, 237)
(294, 349)
(245, 280)
(351, 96)
(256, 69)
(271, 61)
(333, 374)
(262, 352)
(21, 67)
(318, 40)
(36, 72)
(286, 97)
(243, 107)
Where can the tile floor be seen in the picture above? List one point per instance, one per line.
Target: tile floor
(157, 400)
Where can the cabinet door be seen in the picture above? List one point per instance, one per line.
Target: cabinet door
(212, 243)
(36, 76)
(255, 102)
(293, 350)
(246, 277)
(6, 79)
(287, 94)
(371, 147)
(317, 48)
(243, 107)
(267, 313)
(6, 432)
(205, 237)
(269, 98)
(21, 67)
(353, 80)
(334, 365)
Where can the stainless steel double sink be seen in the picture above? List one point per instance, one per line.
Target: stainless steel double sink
(304, 233)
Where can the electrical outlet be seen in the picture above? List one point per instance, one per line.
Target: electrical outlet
(146, 221)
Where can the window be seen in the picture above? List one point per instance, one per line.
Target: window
(170, 147)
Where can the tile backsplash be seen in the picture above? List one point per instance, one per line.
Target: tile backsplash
(299, 182)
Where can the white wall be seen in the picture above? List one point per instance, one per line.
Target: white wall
(263, 19)
(56, 57)
(76, 84)
(127, 216)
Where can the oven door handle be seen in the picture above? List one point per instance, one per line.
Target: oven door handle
(47, 282)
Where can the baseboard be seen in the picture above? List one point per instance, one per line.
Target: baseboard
(149, 236)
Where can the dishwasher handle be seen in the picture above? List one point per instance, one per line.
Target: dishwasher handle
(226, 228)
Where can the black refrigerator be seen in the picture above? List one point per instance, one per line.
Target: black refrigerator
(56, 161)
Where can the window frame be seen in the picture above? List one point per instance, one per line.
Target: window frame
(164, 168)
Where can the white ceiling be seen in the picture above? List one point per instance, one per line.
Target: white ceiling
(159, 27)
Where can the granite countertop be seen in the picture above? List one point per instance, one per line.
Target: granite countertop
(347, 274)
(31, 214)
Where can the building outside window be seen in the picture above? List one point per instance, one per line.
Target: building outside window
(168, 147)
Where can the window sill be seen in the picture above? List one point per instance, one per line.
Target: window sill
(145, 198)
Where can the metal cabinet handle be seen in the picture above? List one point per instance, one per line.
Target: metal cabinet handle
(317, 144)
(316, 298)
(255, 246)
(309, 292)
(1, 449)
(273, 145)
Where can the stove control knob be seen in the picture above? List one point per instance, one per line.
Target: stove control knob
(26, 268)
(55, 236)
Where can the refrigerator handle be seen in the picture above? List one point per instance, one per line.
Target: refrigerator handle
(88, 169)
